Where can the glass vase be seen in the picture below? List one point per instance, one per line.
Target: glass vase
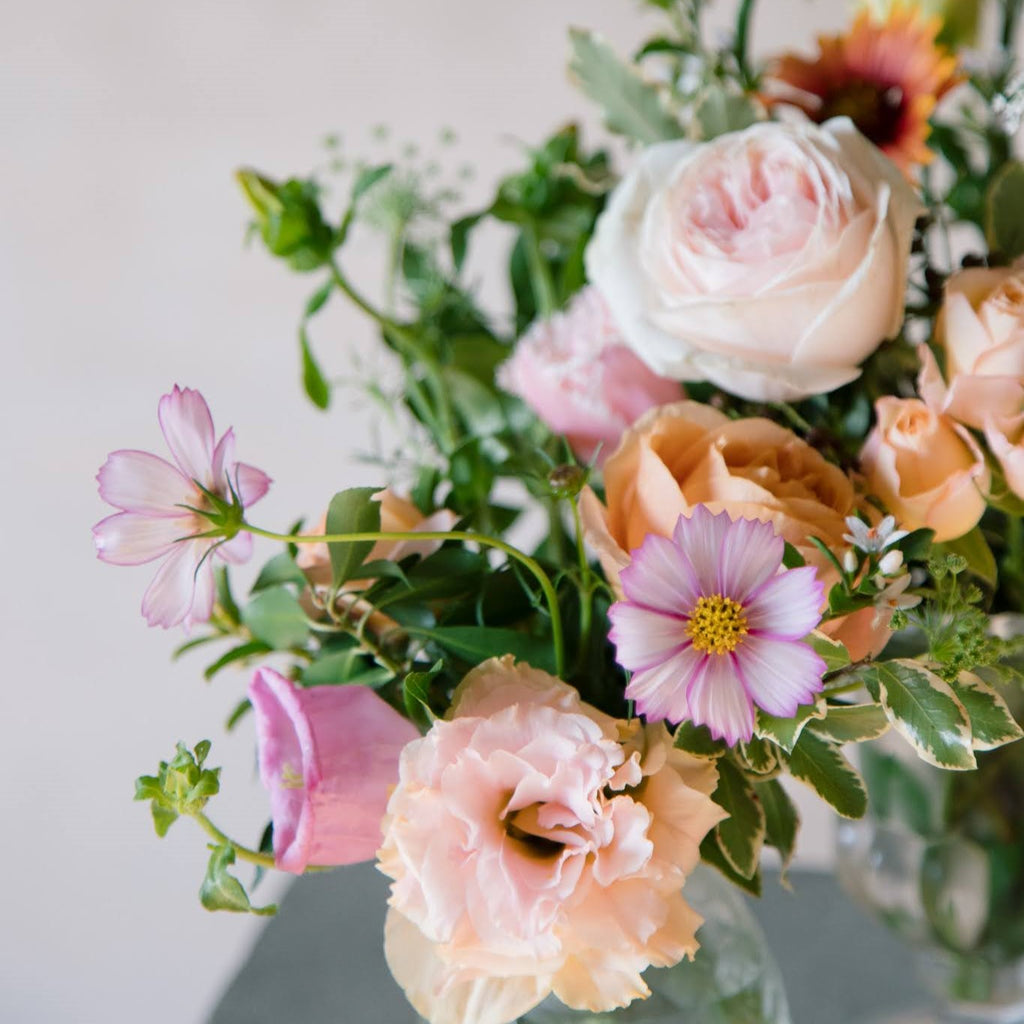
(733, 980)
(939, 860)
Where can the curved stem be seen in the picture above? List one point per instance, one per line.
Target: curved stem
(264, 860)
(466, 537)
(740, 43)
(586, 588)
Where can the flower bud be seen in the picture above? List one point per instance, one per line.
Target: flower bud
(890, 563)
(850, 562)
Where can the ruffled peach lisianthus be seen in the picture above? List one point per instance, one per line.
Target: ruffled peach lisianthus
(885, 75)
(538, 845)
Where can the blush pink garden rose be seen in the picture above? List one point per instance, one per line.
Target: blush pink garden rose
(575, 372)
(926, 468)
(537, 845)
(328, 756)
(770, 262)
(397, 515)
(980, 332)
(155, 498)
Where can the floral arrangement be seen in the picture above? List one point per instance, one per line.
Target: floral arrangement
(764, 386)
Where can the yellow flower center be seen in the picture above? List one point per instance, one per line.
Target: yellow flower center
(717, 625)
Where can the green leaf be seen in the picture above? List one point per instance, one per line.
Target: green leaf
(479, 408)
(832, 652)
(351, 511)
(821, 766)
(782, 821)
(631, 105)
(786, 731)
(851, 723)
(276, 618)
(924, 709)
(240, 710)
(221, 890)
(1004, 211)
(279, 570)
(368, 178)
(711, 853)
(416, 693)
(759, 756)
(225, 598)
(697, 740)
(718, 110)
(163, 818)
(313, 381)
(992, 724)
(252, 649)
(478, 643)
(741, 836)
(974, 548)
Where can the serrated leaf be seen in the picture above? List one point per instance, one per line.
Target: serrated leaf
(718, 110)
(314, 382)
(698, 741)
(252, 649)
(786, 731)
(741, 836)
(924, 710)
(851, 723)
(1004, 211)
(351, 511)
(276, 618)
(992, 724)
(221, 890)
(832, 652)
(782, 821)
(711, 853)
(632, 106)
(820, 765)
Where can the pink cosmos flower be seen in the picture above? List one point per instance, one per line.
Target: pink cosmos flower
(710, 626)
(538, 845)
(329, 757)
(155, 497)
(576, 373)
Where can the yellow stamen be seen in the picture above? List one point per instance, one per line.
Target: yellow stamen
(717, 625)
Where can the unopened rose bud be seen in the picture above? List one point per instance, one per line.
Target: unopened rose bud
(567, 481)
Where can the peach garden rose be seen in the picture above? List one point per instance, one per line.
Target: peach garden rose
(537, 845)
(771, 262)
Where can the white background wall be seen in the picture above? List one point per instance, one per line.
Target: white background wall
(122, 272)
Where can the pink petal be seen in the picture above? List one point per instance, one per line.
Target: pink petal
(249, 482)
(223, 458)
(128, 538)
(701, 536)
(329, 757)
(779, 674)
(719, 700)
(170, 597)
(660, 692)
(142, 482)
(238, 550)
(642, 637)
(188, 428)
(661, 577)
(788, 606)
(751, 553)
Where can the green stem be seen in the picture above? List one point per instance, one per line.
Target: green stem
(540, 274)
(741, 42)
(466, 537)
(586, 587)
(264, 860)
(1011, 19)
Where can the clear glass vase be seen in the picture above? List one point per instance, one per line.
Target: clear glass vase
(733, 980)
(940, 861)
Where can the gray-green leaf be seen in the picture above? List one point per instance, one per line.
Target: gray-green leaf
(632, 106)
(718, 110)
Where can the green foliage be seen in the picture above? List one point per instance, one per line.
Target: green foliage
(221, 890)
(697, 740)
(632, 106)
(1004, 211)
(351, 511)
(782, 821)
(741, 835)
(820, 765)
(851, 723)
(992, 724)
(720, 109)
(182, 785)
(786, 731)
(276, 619)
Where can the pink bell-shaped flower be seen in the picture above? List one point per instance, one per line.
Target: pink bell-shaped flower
(329, 757)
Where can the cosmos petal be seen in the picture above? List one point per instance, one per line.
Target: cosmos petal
(718, 699)
(701, 536)
(788, 606)
(180, 586)
(779, 675)
(660, 576)
(188, 429)
(129, 538)
(642, 637)
(751, 554)
(660, 692)
(141, 482)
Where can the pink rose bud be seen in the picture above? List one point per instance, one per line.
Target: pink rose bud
(575, 372)
(925, 467)
(329, 757)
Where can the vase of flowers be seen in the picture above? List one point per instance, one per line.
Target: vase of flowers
(770, 424)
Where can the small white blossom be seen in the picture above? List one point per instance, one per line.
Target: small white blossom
(871, 539)
(890, 563)
(850, 561)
